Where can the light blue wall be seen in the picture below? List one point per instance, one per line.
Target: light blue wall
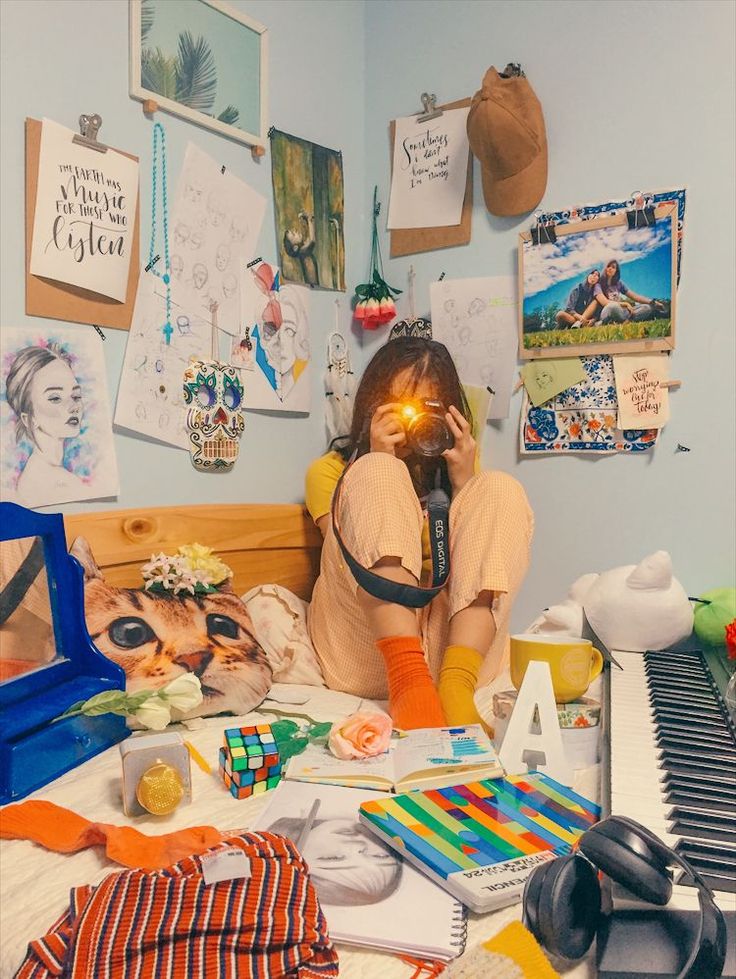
(63, 57)
(636, 95)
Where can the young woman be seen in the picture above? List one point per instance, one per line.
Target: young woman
(46, 399)
(370, 647)
(581, 308)
(619, 303)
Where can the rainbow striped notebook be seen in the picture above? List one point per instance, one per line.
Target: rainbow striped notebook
(480, 841)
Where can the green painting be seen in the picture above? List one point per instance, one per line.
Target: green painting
(309, 201)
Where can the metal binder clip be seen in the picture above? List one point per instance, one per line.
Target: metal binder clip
(642, 214)
(543, 232)
(429, 108)
(89, 126)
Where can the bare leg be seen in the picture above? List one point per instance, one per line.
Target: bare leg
(565, 319)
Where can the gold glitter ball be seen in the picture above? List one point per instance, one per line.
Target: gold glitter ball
(160, 789)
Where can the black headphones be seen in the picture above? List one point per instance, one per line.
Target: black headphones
(562, 898)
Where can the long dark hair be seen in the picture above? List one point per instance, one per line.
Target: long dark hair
(427, 360)
(605, 282)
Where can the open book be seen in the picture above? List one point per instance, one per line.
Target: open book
(369, 895)
(427, 758)
(482, 840)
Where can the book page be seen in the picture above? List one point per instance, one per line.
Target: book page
(317, 764)
(434, 750)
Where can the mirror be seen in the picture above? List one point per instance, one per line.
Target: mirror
(27, 635)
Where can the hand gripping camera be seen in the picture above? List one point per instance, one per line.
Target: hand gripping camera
(427, 433)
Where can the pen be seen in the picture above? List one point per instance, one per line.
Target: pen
(197, 757)
(306, 828)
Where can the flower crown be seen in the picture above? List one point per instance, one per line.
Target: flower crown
(193, 569)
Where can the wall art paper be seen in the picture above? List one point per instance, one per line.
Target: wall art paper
(151, 395)
(275, 323)
(543, 379)
(204, 61)
(430, 171)
(476, 320)
(309, 202)
(214, 229)
(583, 418)
(642, 398)
(85, 214)
(55, 429)
(600, 287)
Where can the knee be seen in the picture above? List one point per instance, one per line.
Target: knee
(376, 472)
(504, 495)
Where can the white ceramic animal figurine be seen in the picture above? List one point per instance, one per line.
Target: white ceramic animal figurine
(566, 618)
(639, 607)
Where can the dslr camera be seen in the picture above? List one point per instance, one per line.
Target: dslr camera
(427, 433)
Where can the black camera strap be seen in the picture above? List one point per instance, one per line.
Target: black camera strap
(410, 596)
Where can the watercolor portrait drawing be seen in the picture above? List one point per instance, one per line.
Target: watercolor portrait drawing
(600, 287)
(55, 429)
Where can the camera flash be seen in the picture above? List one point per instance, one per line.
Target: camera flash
(408, 411)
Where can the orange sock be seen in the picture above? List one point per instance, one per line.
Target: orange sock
(63, 831)
(413, 698)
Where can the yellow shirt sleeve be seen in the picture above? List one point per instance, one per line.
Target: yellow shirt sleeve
(320, 482)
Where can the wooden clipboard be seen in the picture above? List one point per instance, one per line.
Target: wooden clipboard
(59, 300)
(408, 241)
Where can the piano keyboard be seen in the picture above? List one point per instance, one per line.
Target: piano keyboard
(673, 766)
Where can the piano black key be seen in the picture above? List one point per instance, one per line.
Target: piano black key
(684, 749)
(713, 735)
(676, 763)
(702, 799)
(705, 825)
(707, 783)
(668, 739)
(714, 864)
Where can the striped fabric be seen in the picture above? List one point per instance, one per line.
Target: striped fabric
(491, 527)
(170, 924)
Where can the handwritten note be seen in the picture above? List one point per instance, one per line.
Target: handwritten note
(544, 379)
(642, 401)
(85, 214)
(430, 169)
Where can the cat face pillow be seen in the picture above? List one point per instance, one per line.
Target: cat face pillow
(158, 636)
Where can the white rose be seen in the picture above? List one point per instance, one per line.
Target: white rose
(183, 693)
(153, 713)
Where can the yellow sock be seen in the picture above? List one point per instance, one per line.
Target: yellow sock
(458, 677)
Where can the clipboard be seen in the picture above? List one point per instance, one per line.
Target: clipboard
(61, 300)
(409, 241)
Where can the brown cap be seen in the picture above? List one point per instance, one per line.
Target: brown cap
(506, 133)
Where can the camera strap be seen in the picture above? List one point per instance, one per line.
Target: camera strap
(410, 596)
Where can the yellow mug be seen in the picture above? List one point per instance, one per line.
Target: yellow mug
(573, 663)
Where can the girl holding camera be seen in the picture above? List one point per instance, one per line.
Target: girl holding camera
(372, 647)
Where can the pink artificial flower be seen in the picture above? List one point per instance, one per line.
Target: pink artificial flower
(361, 735)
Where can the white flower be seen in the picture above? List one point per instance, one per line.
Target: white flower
(153, 713)
(183, 693)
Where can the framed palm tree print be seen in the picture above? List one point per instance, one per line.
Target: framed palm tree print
(204, 61)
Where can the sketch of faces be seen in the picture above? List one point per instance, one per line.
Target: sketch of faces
(193, 191)
(177, 266)
(476, 307)
(216, 209)
(239, 228)
(181, 233)
(545, 378)
(463, 336)
(222, 257)
(199, 275)
(45, 396)
(229, 285)
(184, 326)
(195, 240)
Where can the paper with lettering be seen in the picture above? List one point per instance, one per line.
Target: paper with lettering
(85, 214)
(476, 320)
(430, 168)
(214, 227)
(543, 379)
(642, 401)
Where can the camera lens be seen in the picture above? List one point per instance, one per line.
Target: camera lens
(428, 435)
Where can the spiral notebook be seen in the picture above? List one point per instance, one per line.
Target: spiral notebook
(482, 840)
(370, 896)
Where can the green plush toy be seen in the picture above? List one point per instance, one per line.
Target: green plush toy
(711, 619)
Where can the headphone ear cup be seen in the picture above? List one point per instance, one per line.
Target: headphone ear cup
(562, 905)
(626, 857)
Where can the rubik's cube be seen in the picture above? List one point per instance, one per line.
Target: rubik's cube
(249, 760)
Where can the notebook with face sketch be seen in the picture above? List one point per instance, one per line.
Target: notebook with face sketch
(369, 895)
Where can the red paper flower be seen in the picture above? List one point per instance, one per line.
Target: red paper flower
(731, 640)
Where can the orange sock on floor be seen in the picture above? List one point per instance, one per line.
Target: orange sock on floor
(413, 698)
(64, 831)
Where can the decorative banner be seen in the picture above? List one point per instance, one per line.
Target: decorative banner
(430, 170)
(642, 400)
(476, 321)
(543, 379)
(55, 429)
(215, 224)
(309, 205)
(85, 214)
(582, 419)
(275, 323)
(151, 395)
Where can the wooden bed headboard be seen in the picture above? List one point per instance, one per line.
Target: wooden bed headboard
(263, 543)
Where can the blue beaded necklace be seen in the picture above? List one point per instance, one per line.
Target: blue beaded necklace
(158, 133)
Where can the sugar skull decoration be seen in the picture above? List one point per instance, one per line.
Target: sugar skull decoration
(213, 394)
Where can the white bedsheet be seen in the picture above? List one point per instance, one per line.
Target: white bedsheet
(35, 883)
